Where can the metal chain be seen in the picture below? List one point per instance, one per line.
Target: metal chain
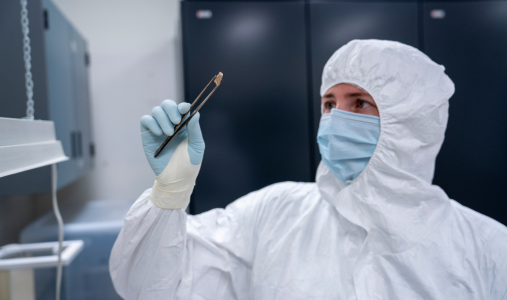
(27, 57)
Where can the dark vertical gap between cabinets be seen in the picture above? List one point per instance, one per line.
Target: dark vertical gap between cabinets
(420, 25)
(186, 92)
(309, 78)
(184, 27)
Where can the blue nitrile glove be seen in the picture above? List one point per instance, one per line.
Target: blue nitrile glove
(178, 164)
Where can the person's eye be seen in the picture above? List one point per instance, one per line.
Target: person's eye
(363, 104)
(329, 105)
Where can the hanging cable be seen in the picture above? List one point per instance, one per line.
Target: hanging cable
(27, 57)
(60, 231)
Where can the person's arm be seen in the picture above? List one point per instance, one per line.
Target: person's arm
(147, 259)
(147, 256)
(167, 254)
(161, 252)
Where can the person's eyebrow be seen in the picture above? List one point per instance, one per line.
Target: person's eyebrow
(328, 96)
(357, 94)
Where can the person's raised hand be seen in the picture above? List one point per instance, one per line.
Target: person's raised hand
(177, 166)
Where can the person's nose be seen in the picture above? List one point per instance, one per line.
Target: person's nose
(342, 105)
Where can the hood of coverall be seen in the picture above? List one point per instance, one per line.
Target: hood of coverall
(393, 198)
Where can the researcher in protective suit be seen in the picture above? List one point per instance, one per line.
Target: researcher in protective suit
(372, 226)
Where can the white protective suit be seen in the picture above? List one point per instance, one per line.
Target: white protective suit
(388, 235)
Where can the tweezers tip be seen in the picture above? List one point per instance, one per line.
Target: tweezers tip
(218, 79)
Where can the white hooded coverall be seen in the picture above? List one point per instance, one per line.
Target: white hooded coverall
(390, 234)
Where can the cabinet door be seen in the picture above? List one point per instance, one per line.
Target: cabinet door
(256, 125)
(82, 102)
(60, 88)
(334, 24)
(470, 40)
(12, 86)
(60, 79)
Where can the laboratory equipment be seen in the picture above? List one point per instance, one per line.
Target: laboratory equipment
(18, 261)
(97, 223)
(59, 68)
(177, 128)
(25, 145)
(37, 255)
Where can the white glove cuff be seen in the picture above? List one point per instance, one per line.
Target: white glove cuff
(167, 199)
(173, 187)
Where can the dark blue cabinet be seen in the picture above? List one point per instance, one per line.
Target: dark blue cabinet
(256, 124)
(260, 126)
(470, 40)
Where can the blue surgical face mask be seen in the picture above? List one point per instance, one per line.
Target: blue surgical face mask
(346, 142)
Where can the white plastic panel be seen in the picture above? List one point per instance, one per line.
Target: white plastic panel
(26, 145)
(20, 131)
(17, 256)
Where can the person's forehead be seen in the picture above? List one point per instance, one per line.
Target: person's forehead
(345, 88)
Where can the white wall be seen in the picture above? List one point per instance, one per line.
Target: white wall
(135, 49)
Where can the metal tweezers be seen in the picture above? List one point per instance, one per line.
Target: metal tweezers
(177, 128)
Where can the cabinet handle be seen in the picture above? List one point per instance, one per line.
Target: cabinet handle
(73, 144)
(79, 144)
(92, 150)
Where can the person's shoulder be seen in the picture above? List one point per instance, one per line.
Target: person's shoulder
(489, 235)
(274, 200)
(282, 195)
(493, 246)
(481, 224)
(289, 188)
(289, 191)
(280, 191)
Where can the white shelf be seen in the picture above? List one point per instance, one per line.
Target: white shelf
(23, 256)
(26, 145)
